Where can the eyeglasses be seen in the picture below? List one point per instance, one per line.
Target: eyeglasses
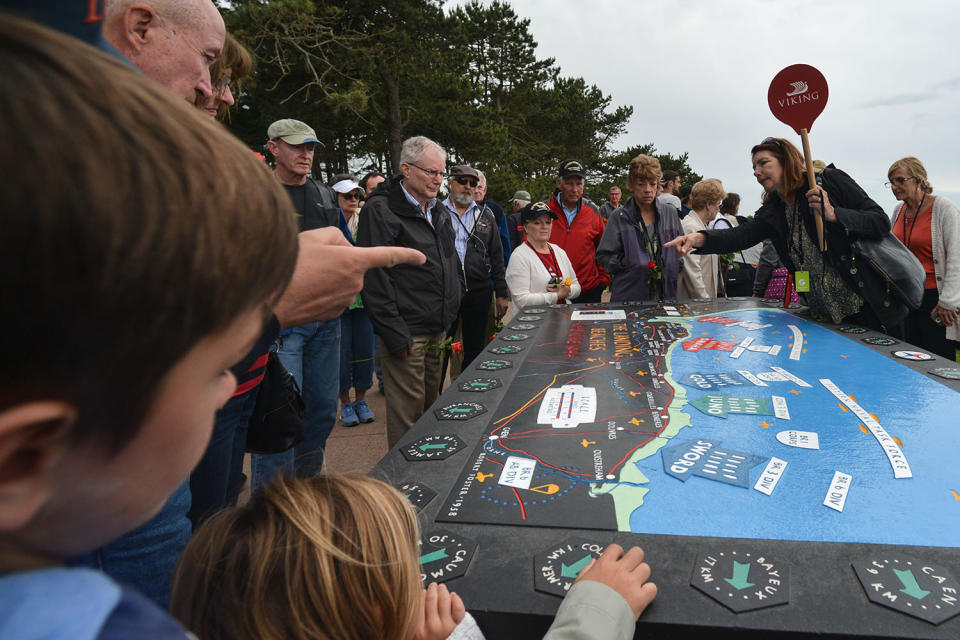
(429, 172)
(466, 181)
(350, 196)
(225, 81)
(898, 181)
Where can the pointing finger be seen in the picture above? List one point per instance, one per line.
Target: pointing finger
(374, 257)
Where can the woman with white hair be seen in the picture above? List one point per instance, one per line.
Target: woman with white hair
(700, 276)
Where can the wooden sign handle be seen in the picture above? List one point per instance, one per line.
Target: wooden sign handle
(812, 183)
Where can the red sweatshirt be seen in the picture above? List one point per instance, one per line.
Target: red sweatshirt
(580, 241)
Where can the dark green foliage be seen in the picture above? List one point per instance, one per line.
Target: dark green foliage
(365, 75)
(612, 170)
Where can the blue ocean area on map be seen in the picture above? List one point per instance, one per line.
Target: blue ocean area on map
(917, 413)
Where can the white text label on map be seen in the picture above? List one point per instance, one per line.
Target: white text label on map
(799, 439)
(837, 492)
(517, 472)
(599, 314)
(568, 406)
(901, 468)
(780, 409)
(771, 475)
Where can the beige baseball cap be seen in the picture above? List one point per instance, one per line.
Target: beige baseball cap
(292, 132)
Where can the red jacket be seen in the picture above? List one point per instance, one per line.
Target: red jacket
(580, 241)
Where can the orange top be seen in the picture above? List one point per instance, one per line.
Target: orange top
(915, 233)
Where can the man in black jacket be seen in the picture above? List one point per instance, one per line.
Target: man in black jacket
(411, 307)
(477, 241)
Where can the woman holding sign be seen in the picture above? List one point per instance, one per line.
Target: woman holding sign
(834, 284)
(929, 226)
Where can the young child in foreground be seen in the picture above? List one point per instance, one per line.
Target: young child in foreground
(334, 557)
(128, 217)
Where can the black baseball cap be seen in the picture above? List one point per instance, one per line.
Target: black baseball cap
(534, 210)
(572, 168)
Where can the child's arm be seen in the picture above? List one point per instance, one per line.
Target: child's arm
(442, 611)
(589, 611)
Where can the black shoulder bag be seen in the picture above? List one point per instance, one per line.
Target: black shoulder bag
(277, 421)
(897, 274)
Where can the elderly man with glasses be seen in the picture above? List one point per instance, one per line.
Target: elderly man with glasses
(478, 245)
(411, 307)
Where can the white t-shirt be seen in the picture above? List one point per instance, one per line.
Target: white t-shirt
(719, 222)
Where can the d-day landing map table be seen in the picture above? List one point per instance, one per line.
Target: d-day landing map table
(782, 476)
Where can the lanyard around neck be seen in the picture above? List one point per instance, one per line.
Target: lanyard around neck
(654, 253)
(907, 239)
(556, 265)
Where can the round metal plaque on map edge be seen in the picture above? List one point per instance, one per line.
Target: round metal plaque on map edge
(851, 329)
(418, 494)
(479, 385)
(444, 555)
(556, 568)
(459, 411)
(916, 356)
(433, 447)
(495, 365)
(919, 589)
(505, 349)
(948, 373)
(742, 579)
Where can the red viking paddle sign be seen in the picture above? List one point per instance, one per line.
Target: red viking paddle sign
(797, 95)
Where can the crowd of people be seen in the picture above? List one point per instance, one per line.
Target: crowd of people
(162, 285)
(118, 484)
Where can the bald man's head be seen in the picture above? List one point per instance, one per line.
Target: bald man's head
(172, 41)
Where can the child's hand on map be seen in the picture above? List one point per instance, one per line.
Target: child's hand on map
(625, 573)
(442, 611)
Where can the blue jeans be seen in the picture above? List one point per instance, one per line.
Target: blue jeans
(356, 351)
(146, 557)
(218, 478)
(311, 353)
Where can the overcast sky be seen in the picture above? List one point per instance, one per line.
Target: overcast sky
(697, 71)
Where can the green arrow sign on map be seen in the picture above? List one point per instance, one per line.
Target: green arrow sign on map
(720, 404)
(428, 446)
(741, 573)
(439, 554)
(910, 586)
(571, 570)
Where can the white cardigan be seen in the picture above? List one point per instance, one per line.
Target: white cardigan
(527, 277)
(945, 236)
(698, 278)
